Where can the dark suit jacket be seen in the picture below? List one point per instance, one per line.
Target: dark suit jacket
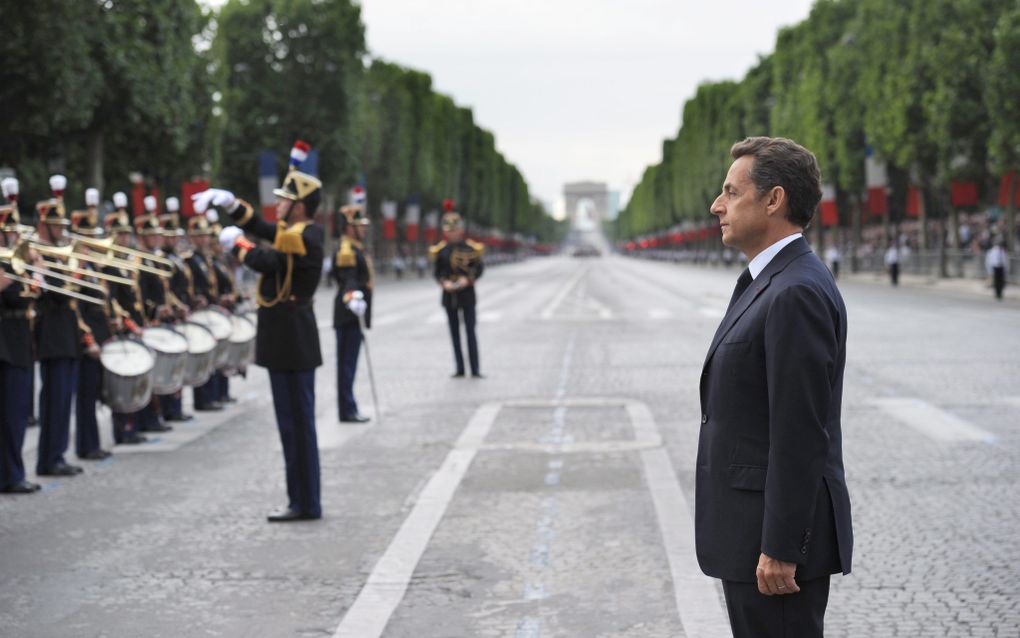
(770, 460)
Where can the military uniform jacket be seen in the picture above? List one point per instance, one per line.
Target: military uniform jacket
(95, 317)
(288, 336)
(15, 327)
(128, 298)
(224, 281)
(203, 279)
(181, 282)
(57, 335)
(352, 272)
(769, 476)
(153, 291)
(462, 259)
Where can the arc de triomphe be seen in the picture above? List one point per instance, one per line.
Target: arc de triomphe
(594, 196)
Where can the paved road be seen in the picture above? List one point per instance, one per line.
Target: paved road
(550, 499)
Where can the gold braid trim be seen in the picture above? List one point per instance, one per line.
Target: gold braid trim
(282, 290)
(289, 242)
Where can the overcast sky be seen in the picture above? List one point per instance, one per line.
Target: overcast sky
(577, 89)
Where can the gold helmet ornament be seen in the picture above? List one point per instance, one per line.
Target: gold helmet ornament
(148, 225)
(51, 211)
(9, 218)
(354, 215)
(171, 220)
(451, 219)
(86, 222)
(297, 186)
(199, 225)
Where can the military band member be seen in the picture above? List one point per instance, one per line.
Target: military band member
(180, 293)
(287, 340)
(228, 298)
(58, 341)
(352, 270)
(128, 310)
(16, 365)
(458, 265)
(204, 290)
(94, 323)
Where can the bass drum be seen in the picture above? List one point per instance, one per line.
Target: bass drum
(217, 320)
(171, 348)
(198, 365)
(241, 346)
(127, 374)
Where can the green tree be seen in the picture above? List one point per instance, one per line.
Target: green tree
(1003, 89)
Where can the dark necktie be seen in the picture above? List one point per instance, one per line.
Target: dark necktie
(743, 282)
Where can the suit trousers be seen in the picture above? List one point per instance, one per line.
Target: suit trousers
(15, 407)
(453, 319)
(348, 345)
(294, 402)
(206, 394)
(86, 426)
(59, 378)
(755, 615)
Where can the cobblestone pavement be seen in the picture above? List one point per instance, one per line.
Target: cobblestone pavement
(549, 499)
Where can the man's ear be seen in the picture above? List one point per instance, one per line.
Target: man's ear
(775, 200)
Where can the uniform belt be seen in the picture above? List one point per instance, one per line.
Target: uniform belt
(300, 302)
(17, 314)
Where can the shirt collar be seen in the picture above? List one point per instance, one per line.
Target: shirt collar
(763, 258)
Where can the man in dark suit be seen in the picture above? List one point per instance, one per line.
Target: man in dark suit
(772, 512)
(287, 339)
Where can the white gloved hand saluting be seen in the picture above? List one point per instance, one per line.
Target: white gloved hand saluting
(215, 197)
(229, 235)
(357, 303)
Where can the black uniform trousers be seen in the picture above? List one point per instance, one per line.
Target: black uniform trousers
(348, 345)
(206, 395)
(755, 615)
(59, 378)
(999, 280)
(86, 427)
(16, 402)
(294, 402)
(453, 318)
(894, 274)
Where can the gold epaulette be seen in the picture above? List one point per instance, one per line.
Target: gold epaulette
(477, 247)
(289, 240)
(435, 249)
(346, 257)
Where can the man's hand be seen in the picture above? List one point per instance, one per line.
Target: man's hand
(216, 197)
(357, 303)
(776, 576)
(229, 235)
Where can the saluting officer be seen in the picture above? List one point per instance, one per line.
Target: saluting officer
(287, 341)
(95, 327)
(458, 265)
(58, 344)
(15, 359)
(352, 271)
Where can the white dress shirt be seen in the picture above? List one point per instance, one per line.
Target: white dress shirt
(763, 258)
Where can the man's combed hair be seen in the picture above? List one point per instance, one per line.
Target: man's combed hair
(782, 162)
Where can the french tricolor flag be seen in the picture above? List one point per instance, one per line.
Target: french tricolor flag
(299, 154)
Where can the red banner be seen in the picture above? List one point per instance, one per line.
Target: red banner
(963, 194)
(878, 203)
(187, 190)
(913, 202)
(829, 213)
(1004, 186)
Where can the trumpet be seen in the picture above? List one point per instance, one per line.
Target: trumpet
(19, 267)
(66, 253)
(108, 246)
(66, 262)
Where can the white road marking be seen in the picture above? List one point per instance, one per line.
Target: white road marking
(931, 420)
(712, 312)
(660, 313)
(387, 584)
(562, 294)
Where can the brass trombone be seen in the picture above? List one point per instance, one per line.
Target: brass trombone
(68, 261)
(66, 253)
(19, 267)
(108, 246)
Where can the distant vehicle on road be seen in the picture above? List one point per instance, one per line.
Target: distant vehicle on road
(586, 250)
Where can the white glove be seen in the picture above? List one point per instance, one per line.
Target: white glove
(215, 196)
(357, 303)
(229, 235)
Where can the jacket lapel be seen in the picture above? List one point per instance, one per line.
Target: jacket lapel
(795, 249)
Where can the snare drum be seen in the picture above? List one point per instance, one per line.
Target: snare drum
(127, 374)
(171, 348)
(241, 345)
(217, 320)
(198, 365)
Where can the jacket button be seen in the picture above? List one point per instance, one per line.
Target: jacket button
(704, 419)
(803, 550)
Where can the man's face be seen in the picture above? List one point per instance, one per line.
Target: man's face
(201, 242)
(55, 232)
(153, 242)
(740, 208)
(283, 207)
(455, 234)
(122, 239)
